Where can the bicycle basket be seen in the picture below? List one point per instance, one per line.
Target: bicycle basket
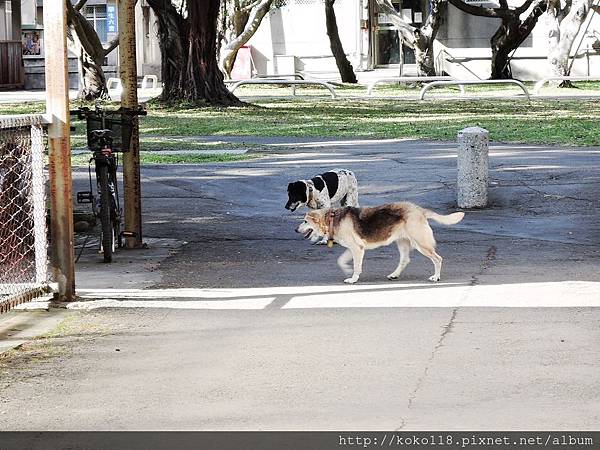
(120, 124)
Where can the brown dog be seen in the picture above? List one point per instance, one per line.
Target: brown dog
(360, 229)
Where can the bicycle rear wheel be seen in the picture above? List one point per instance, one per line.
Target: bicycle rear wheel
(108, 237)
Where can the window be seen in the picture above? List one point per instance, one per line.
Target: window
(96, 15)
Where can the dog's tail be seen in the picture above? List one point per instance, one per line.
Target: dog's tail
(450, 219)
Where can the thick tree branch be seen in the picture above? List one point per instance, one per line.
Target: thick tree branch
(337, 50)
(80, 4)
(112, 45)
(530, 21)
(406, 30)
(434, 18)
(475, 10)
(420, 39)
(86, 34)
(249, 6)
(524, 7)
(250, 25)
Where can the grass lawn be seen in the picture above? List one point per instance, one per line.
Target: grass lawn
(570, 122)
(171, 158)
(544, 121)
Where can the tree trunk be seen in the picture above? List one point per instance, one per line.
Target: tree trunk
(502, 43)
(202, 81)
(241, 28)
(419, 39)
(512, 33)
(556, 14)
(344, 67)
(172, 33)
(425, 61)
(92, 79)
(563, 27)
(424, 38)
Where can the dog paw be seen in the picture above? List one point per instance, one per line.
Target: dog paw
(434, 278)
(393, 276)
(351, 280)
(323, 242)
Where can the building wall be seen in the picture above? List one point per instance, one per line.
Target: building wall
(30, 16)
(146, 31)
(464, 42)
(295, 37)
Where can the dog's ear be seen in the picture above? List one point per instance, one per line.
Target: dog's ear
(316, 216)
(290, 186)
(322, 220)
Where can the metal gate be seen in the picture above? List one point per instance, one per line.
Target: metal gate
(23, 231)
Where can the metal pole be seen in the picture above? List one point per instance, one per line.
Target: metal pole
(39, 204)
(131, 159)
(57, 110)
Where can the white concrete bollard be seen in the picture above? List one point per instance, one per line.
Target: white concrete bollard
(472, 179)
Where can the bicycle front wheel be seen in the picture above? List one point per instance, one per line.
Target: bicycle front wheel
(108, 238)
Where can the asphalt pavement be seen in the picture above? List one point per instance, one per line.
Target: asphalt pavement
(229, 320)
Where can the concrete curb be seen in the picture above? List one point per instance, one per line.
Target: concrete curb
(20, 326)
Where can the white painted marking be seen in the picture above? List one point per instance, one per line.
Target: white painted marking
(255, 303)
(233, 292)
(565, 294)
(562, 294)
(409, 298)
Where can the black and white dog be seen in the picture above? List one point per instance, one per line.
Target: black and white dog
(336, 186)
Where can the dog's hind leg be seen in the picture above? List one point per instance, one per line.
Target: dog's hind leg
(436, 259)
(352, 195)
(424, 242)
(344, 262)
(404, 249)
(357, 257)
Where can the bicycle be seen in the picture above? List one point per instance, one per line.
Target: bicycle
(108, 133)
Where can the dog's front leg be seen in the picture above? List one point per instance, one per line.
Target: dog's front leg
(324, 203)
(357, 257)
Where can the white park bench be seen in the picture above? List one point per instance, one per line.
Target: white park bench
(377, 81)
(433, 84)
(293, 83)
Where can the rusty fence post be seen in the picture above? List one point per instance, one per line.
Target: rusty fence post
(57, 111)
(129, 99)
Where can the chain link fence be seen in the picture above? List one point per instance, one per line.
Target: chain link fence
(23, 231)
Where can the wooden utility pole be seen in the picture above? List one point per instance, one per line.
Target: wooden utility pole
(57, 111)
(131, 159)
